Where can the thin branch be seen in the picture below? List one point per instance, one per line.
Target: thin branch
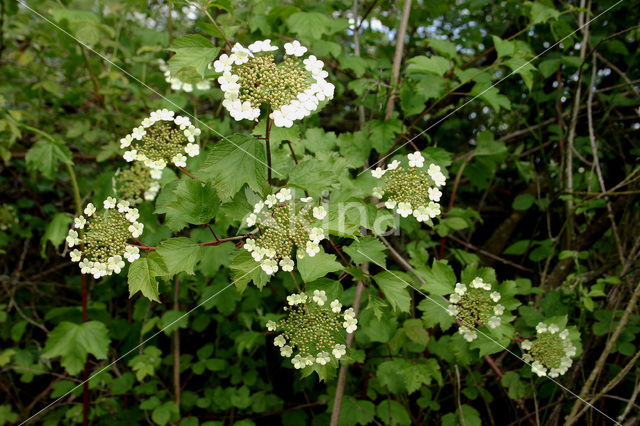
(596, 162)
(397, 57)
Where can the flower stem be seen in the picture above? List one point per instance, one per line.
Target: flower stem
(226, 40)
(268, 145)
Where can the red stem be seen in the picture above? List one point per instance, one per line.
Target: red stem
(85, 386)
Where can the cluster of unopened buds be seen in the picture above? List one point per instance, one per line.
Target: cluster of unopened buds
(413, 190)
(311, 328)
(178, 85)
(162, 138)
(101, 239)
(282, 226)
(475, 304)
(551, 352)
(292, 89)
(137, 183)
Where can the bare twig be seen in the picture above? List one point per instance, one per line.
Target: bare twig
(397, 57)
(596, 162)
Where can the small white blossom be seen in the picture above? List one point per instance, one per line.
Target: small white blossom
(320, 297)
(76, 255)
(286, 264)
(319, 213)
(109, 203)
(295, 48)
(416, 159)
(378, 172)
(79, 222)
(286, 351)
(339, 350)
(90, 209)
(279, 341)
(271, 325)
(336, 306)
(131, 253)
(323, 358)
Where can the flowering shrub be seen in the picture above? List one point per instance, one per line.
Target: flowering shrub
(254, 250)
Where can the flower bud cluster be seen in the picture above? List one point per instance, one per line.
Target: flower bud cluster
(8, 216)
(283, 227)
(313, 329)
(411, 190)
(293, 88)
(551, 351)
(475, 304)
(178, 85)
(101, 239)
(136, 183)
(162, 138)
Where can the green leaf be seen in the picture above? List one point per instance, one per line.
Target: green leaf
(430, 86)
(192, 51)
(142, 276)
(503, 47)
(356, 412)
(245, 269)
(539, 12)
(197, 203)
(145, 365)
(235, 161)
(367, 249)
(173, 320)
(422, 64)
(523, 202)
(492, 96)
(44, 157)
(165, 412)
(434, 313)
(72, 342)
(312, 268)
(56, 231)
(439, 279)
(517, 388)
(393, 286)
(443, 47)
(391, 412)
(310, 25)
(414, 329)
(180, 255)
(313, 176)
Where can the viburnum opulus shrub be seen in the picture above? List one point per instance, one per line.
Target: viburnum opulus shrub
(252, 214)
(288, 224)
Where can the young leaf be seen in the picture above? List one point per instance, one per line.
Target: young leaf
(393, 286)
(180, 255)
(367, 249)
(235, 161)
(142, 276)
(74, 341)
(312, 268)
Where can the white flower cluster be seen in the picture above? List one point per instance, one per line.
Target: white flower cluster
(411, 190)
(551, 352)
(475, 304)
(156, 147)
(311, 328)
(292, 89)
(103, 244)
(177, 84)
(282, 227)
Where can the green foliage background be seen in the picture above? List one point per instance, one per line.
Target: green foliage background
(512, 216)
